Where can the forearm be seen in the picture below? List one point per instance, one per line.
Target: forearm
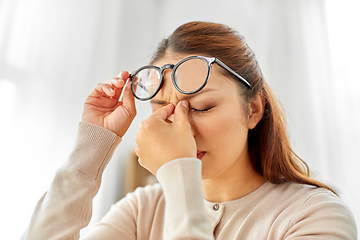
(185, 216)
(67, 206)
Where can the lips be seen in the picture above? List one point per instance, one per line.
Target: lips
(200, 154)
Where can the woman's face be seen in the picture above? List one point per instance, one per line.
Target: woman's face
(217, 118)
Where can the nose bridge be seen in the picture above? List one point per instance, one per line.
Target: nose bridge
(167, 88)
(192, 124)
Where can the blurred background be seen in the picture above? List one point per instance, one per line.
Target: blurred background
(53, 53)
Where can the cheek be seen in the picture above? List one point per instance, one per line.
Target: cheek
(220, 130)
(205, 127)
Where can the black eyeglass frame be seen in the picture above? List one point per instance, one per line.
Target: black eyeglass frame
(209, 60)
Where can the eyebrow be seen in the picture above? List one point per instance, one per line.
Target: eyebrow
(186, 97)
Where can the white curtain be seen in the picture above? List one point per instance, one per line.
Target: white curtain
(52, 54)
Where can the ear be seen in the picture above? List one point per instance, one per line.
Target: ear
(257, 110)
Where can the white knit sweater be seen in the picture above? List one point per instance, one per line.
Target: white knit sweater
(273, 211)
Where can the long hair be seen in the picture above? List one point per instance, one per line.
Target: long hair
(268, 142)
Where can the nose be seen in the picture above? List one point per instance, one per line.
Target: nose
(167, 85)
(171, 119)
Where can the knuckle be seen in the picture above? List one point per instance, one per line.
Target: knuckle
(137, 138)
(99, 86)
(145, 125)
(133, 113)
(109, 81)
(140, 162)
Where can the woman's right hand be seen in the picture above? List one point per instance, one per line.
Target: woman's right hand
(103, 108)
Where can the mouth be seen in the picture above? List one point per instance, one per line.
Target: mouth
(200, 154)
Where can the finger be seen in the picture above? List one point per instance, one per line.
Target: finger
(181, 111)
(103, 89)
(123, 75)
(137, 150)
(164, 112)
(116, 82)
(119, 82)
(118, 85)
(140, 162)
(128, 99)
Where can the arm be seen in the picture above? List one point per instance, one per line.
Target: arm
(161, 140)
(144, 214)
(67, 206)
(185, 214)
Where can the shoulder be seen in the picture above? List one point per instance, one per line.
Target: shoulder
(317, 211)
(302, 194)
(307, 196)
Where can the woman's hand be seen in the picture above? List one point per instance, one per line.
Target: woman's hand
(159, 140)
(103, 108)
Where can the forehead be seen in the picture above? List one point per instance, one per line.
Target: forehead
(171, 58)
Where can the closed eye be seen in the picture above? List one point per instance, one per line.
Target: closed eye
(201, 110)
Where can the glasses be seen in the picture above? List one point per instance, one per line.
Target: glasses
(189, 76)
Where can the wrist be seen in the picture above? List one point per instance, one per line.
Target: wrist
(93, 150)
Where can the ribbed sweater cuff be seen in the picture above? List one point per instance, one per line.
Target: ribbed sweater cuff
(184, 173)
(93, 150)
(185, 211)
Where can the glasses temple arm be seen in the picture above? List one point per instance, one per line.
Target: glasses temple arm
(233, 72)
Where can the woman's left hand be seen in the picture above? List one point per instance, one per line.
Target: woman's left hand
(159, 140)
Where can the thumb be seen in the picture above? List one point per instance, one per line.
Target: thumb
(128, 98)
(181, 111)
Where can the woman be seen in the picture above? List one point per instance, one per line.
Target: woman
(216, 142)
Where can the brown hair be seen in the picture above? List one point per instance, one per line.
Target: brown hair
(268, 142)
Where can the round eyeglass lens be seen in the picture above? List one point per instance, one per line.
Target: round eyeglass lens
(191, 74)
(146, 82)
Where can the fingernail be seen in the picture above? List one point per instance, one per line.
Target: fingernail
(185, 104)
